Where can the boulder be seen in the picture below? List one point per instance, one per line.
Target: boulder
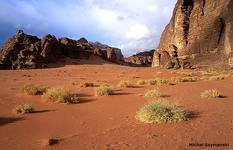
(200, 28)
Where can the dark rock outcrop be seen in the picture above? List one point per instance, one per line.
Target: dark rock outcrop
(24, 51)
(141, 59)
(200, 33)
(20, 51)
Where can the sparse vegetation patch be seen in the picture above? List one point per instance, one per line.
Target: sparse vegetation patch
(211, 94)
(32, 89)
(125, 84)
(142, 82)
(87, 84)
(152, 94)
(161, 112)
(23, 109)
(103, 90)
(184, 79)
(60, 95)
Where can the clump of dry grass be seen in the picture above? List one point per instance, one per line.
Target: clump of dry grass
(152, 94)
(211, 94)
(162, 81)
(217, 77)
(125, 84)
(60, 95)
(87, 84)
(159, 81)
(32, 89)
(23, 109)
(152, 82)
(142, 82)
(184, 79)
(103, 90)
(161, 112)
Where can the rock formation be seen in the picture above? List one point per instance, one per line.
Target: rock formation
(24, 51)
(200, 33)
(141, 58)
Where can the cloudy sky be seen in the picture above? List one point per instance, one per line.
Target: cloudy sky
(132, 25)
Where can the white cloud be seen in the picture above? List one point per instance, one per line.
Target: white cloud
(137, 31)
(133, 25)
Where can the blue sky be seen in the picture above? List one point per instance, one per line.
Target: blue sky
(132, 25)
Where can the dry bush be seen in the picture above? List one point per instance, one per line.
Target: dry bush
(152, 82)
(142, 82)
(161, 112)
(32, 89)
(87, 84)
(211, 94)
(103, 90)
(159, 81)
(23, 109)
(184, 79)
(60, 95)
(152, 94)
(125, 84)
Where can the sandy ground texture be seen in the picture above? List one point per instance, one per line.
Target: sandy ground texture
(108, 123)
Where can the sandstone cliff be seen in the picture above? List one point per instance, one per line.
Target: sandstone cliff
(200, 33)
(24, 51)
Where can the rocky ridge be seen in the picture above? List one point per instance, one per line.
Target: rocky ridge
(24, 51)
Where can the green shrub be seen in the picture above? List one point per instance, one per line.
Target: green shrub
(152, 94)
(125, 84)
(103, 90)
(31, 89)
(60, 95)
(23, 109)
(142, 82)
(160, 112)
(210, 94)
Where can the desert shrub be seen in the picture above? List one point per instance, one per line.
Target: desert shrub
(152, 94)
(103, 90)
(142, 82)
(210, 94)
(60, 95)
(184, 79)
(158, 81)
(218, 77)
(160, 112)
(162, 81)
(87, 84)
(23, 109)
(32, 89)
(151, 136)
(152, 82)
(125, 84)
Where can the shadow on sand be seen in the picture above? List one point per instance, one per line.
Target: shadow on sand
(8, 120)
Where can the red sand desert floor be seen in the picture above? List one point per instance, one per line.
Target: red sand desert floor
(109, 123)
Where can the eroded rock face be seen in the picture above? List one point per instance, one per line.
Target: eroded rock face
(141, 59)
(199, 29)
(20, 51)
(24, 51)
